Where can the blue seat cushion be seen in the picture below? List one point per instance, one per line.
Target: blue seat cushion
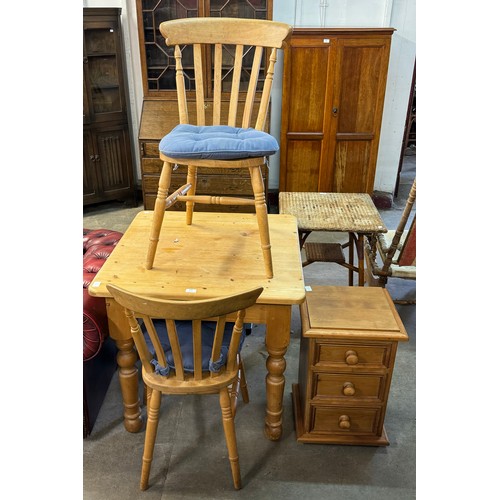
(217, 142)
(184, 333)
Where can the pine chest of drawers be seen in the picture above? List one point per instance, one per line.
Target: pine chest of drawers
(348, 348)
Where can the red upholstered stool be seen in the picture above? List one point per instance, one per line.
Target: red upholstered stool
(99, 351)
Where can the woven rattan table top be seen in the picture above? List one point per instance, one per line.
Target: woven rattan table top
(345, 212)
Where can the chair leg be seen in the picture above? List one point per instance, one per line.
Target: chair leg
(159, 212)
(262, 221)
(191, 179)
(149, 441)
(243, 384)
(239, 384)
(230, 433)
(146, 396)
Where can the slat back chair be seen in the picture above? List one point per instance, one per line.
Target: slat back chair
(214, 140)
(393, 254)
(181, 354)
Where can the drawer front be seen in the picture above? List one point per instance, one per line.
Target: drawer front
(150, 149)
(154, 166)
(205, 184)
(352, 356)
(348, 386)
(345, 420)
(151, 166)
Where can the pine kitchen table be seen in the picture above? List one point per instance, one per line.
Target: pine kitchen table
(217, 255)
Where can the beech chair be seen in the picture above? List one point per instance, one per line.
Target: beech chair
(393, 254)
(216, 140)
(181, 354)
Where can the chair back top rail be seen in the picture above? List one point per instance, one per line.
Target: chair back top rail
(225, 30)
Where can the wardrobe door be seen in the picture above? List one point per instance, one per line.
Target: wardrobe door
(360, 76)
(306, 108)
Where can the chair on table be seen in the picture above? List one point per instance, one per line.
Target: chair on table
(393, 254)
(218, 141)
(181, 354)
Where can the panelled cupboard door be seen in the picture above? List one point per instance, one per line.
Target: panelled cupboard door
(112, 146)
(90, 184)
(306, 107)
(333, 96)
(105, 156)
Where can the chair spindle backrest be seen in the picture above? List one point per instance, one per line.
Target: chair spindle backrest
(168, 311)
(211, 38)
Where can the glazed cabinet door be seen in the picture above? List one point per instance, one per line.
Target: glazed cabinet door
(360, 73)
(157, 60)
(103, 84)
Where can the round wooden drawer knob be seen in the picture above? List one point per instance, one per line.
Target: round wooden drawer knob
(344, 422)
(348, 389)
(351, 357)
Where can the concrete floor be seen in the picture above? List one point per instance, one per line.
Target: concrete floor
(190, 459)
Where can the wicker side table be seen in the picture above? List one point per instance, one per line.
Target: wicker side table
(353, 213)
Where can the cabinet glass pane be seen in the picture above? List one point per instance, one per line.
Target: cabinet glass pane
(249, 9)
(160, 60)
(100, 41)
(102, 70)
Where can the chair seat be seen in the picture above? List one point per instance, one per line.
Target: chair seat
(217, 142)
(397, 271)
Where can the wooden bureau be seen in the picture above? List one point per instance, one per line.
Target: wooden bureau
(348, 347)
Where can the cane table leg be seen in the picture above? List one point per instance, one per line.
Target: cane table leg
(351, 259)
(361, 259)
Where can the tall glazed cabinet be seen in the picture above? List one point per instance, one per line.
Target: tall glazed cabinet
(334, 83)
(107, 159)
(159, 108)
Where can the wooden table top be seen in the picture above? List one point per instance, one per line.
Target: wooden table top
(217, 255)
(345, 212)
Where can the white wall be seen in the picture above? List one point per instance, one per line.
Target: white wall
(399, 14)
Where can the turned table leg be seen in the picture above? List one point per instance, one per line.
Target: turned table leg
(128, 376)
(126, 358)
(277, 340)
